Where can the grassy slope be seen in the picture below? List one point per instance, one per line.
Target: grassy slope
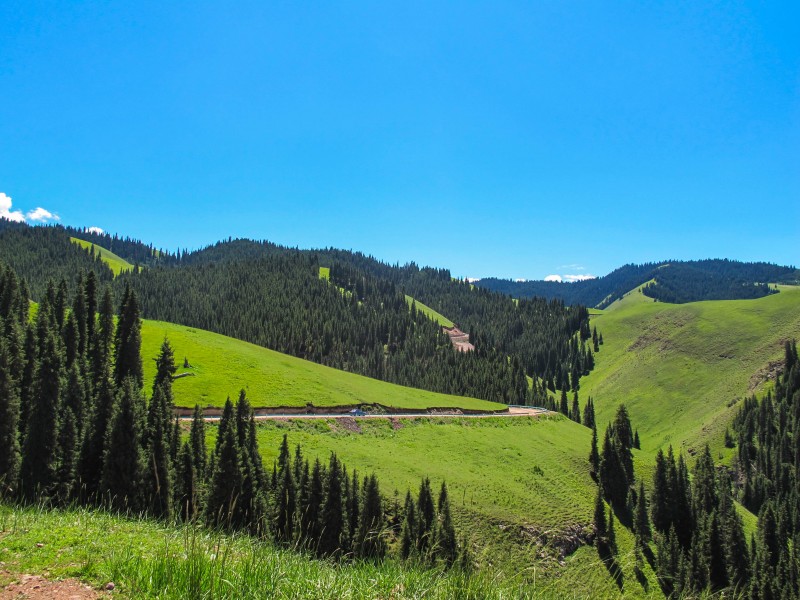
(680, 369)
(152, 560)
(222, 366)
(430, 313)
(114, 262)
(502, 475)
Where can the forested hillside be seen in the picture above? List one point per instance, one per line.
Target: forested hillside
(674, 281)
(273, 296)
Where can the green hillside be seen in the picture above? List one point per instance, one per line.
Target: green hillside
(514, 483)
(681, 369)
(114, 262)
(221, 366)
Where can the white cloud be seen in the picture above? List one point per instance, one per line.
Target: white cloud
(569, 278)
(521, 280)
(473, 279)
(42, 215)
(96, 230)
(39, 214)
(6, 212)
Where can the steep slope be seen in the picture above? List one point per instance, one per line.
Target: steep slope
(221, 366)
(681, 369)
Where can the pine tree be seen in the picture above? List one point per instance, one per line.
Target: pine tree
(226, 480)
(600, 522)
(594, 457)
(197, 439)
(40, 453)
(10, 456)
(102, 344)
(575, 414)
(588, 414)
(286, 501)
(90, 465)
(369, 541)
(426, 516)
(409, 531)
(67, 456)
(310, 515)
(157, 480)
(121, 482)
(446, 544)
(640, 519)
(563, 407)
(128, 341)
(187, 495)
(332, 512)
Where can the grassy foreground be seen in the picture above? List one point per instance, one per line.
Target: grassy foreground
(152, 560)
(681, 369)
(221, 366)
(114, 262)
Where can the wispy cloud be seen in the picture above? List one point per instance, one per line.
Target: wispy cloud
(38, 214)
(42, 215)
(572, 267)
(6, 212)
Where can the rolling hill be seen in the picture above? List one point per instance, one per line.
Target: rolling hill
(681, 369)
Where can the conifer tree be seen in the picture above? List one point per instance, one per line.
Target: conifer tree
(40, 453)
(90, 465)
(226, 480)
(640, 518)
(197, 440)
(157, 480)
(128, 340)
(310, 516)
(369, 541)
(10, 456)
(409, 531)
(563, 407)
(187, 495)
(594, 457)
(103, 343)
(575, 414)
(67, 456)
(332, 511)
(121, 482)
(446, 544)
(426, 516)
(286, 501)
(588, 414)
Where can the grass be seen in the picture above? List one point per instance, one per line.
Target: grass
(513, 483)
(681, 369)
(115, 263)
(152, 560)
(430, 313)
(221, 366)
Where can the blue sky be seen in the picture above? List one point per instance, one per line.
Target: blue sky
(511, 139)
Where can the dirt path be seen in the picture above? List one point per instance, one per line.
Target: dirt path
(36, 587)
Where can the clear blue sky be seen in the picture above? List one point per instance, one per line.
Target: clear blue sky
(511, 139)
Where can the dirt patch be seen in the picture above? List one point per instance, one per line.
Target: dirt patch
(768, 373)
(459, 339)
(348, 423)
(38, 588)
(395, 423)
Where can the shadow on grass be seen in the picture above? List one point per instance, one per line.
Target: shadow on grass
(612, 566)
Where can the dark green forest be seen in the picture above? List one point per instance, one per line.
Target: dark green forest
(76, 428)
